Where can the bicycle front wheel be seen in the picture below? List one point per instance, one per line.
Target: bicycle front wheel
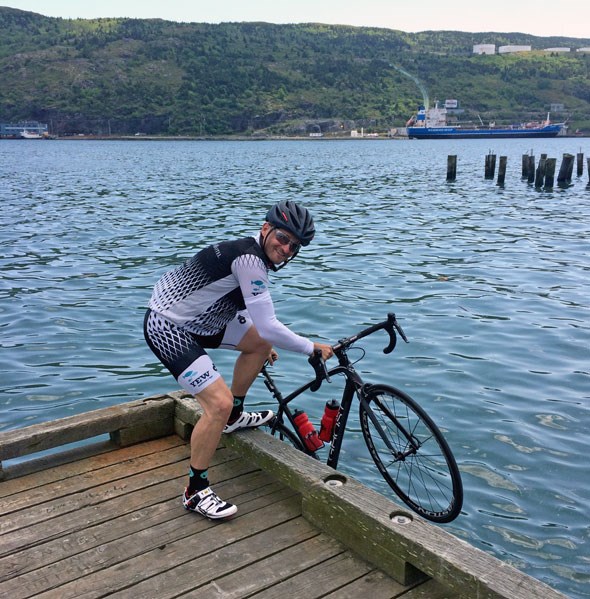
(411, 453)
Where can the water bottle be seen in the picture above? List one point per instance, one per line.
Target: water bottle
(329, 420)
(307, 431)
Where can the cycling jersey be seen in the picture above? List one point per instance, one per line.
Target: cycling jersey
(204, 294)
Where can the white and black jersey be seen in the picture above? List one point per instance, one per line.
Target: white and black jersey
(205, 293)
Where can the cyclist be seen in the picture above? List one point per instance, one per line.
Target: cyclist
(219, 298)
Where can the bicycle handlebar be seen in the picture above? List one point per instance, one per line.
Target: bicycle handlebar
(391, 325)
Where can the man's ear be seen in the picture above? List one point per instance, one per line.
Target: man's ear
(266, 227)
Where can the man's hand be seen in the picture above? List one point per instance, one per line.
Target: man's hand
(272, 357)
(327, 351)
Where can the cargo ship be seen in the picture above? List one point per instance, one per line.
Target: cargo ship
(431, 123)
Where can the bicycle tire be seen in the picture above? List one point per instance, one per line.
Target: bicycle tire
(422, 472)
(285, 434)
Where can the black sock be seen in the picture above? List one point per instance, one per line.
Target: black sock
(197, 480)
(237, 409)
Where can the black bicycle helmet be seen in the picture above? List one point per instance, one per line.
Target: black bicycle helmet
(294, 218)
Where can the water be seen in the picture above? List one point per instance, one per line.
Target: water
(490, 284)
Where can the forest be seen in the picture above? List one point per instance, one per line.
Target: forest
(155, 77)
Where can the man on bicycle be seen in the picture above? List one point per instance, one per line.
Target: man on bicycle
(219, 298)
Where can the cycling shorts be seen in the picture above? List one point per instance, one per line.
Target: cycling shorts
(183, 353)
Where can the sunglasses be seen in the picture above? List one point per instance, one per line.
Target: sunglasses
(284, 239)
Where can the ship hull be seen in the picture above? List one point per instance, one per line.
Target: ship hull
(459, 133)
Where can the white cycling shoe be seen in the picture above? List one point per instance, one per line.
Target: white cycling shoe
(249, 420)
(208, 504)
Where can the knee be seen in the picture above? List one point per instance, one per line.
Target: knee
(217, 408)
(223, 407)
(262, 347)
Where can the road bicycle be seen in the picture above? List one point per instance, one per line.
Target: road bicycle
(407, 447)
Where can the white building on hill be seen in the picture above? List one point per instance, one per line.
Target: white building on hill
(484, 49)
(509, 49)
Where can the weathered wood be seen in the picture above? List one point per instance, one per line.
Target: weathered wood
(116, 526)
(531, 169)
(579, 164)
(524, 166)
(502, 170)
(490, 166)
(550, 173)
(49, 435)
(375, 585)
(565, 170)
(360, 517)
(452, 167)
(540, 173)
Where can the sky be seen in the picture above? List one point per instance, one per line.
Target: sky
(537, 17)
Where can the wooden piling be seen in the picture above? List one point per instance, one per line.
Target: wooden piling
(531, 169)
(588, 170)
(490, 166)
(502, 170)
(451, 167)
(550, 172)
(580, 164)
(565, 170)
(524, 169)
(540, 174)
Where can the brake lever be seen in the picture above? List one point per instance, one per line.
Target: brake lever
(391, 327)
(399, 329)
(321, 371)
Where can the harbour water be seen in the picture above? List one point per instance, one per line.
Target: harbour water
(491, 284)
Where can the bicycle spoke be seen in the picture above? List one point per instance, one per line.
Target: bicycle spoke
(411, 454)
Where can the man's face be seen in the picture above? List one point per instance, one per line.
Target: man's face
(280, 245)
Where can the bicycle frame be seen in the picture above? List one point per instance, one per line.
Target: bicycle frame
(354, 385)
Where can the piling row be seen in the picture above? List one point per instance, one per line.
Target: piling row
(542, 176)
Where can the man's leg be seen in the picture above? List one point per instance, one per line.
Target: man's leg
(254, 351)
(216, 401)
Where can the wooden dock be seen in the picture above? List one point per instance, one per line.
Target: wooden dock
(106, 519)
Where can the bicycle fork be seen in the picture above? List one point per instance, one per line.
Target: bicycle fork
(413, 444)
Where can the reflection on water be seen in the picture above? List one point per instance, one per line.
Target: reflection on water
(490, 284)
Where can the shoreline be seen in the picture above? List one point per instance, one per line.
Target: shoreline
(237, 138)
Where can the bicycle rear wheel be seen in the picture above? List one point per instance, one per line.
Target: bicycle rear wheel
(411, 453)
(280, 431)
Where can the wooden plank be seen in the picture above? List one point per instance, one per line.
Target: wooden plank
(209, 544)
(156, 554)
(360, 518)
(433, 589)
(163, 528)
(376, 585)
(73, 492)
(326, 577)
(48, 435)
(89, 505)
(259, 575)
(149, 508)
(76, 463)
(242, 563)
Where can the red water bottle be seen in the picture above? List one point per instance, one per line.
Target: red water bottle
(329, 420)
(307, 431)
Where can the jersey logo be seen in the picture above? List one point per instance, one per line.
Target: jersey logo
(195, 379)
(258, 287)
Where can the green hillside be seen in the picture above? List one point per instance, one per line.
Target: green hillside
(123, 76)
